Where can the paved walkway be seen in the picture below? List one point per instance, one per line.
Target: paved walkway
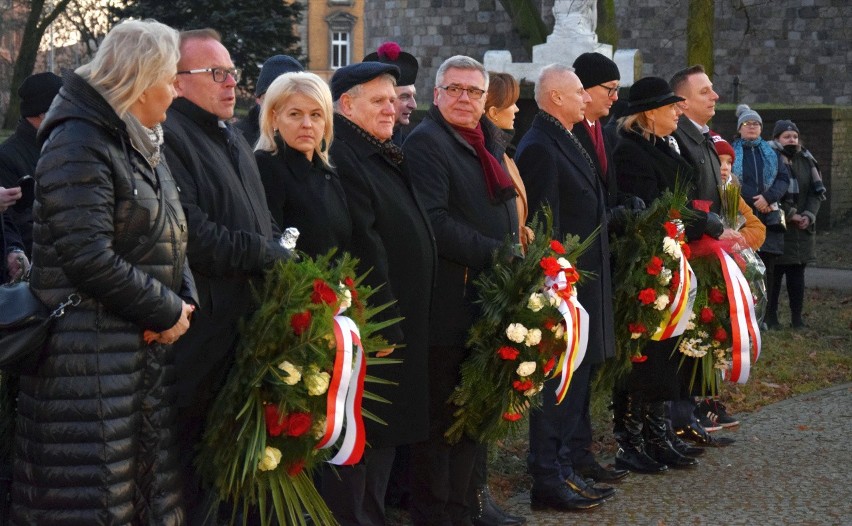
(829, 278)
(791, 465)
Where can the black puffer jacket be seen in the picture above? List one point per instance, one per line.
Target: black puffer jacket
(94, 435)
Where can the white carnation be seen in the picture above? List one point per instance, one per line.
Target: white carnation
(533, 337)
(270, 460)
(526, 369)
(536, 302)
(564, 263)
(294, 375)
(661, 302)
(665, 276)
(516, 332)
(671, 247)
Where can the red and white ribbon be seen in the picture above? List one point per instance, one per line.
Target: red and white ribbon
(744, 327)
(345, 393)
(677, 316)
(576, 330)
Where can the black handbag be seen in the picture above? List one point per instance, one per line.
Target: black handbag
(24, 325)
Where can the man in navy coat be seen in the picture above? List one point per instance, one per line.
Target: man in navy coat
(557, 171)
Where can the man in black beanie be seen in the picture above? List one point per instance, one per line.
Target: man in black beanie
(274, 67)
(19, 153)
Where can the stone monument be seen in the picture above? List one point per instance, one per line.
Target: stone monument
(573, 34)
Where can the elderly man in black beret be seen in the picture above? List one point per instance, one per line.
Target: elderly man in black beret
(391, 53)
(19, 153)
(392, 238)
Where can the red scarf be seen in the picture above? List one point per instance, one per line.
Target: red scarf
(596, 134)
(500, 186)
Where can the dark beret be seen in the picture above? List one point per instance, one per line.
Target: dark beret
(273, 68)
(350, 76)
(390, 53)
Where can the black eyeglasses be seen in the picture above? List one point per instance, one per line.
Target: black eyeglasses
(219, 74)
(610, 91)
(456, 91)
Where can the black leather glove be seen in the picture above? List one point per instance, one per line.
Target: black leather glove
(617, 217)
(714, 227)
(635, 203)
(274, 252)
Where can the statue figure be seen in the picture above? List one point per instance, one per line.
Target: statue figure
(575, 19)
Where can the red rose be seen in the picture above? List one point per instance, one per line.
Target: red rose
(707, 315)
(551, 266)
(549, 324)
(551, 363)
(647, 296)
(636, 327)
(639, 359)
(720, 335)
(716, 296)
(654, 266)
(323, 293)
(298, 424)
(557, 247)
(522, 386)
(686, 251)
(674, 213)
(300, 322)
(512, 417)
(275, 421)
(508, 353)
(671, 229)
(296, 467)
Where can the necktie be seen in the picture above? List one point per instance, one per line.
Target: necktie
(600, 151)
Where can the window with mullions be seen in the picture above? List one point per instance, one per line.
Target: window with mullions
(340, 49)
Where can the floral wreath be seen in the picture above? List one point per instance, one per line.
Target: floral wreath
(654, 284)
(531, 328)
(294, 391)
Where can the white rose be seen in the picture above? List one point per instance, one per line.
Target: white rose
(558, 331)
(317, 383)
(661, 302)
(294, 375)
(533, 337)
(536, 302)
(665, 276)
(635, 335)
(671, 247)
(526, 369)
(516, 332)
(270, 460)
(564, 263)
(555, 300)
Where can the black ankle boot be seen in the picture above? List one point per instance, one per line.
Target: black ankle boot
(631, 452)
(487, 513)
(658, 447)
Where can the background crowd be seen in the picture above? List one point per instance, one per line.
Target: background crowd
(128, 181)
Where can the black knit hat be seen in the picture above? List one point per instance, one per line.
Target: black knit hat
(648, 94)
(273, 68)
(350, 76)
(594, 69)
(782, 126)
(391, 53)
(37, 92)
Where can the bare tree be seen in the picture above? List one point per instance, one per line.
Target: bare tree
(39, 17)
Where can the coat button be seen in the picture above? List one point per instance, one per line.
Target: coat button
(143, 240)
(328, 177)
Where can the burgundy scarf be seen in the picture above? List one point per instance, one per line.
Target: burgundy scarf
(500, 187)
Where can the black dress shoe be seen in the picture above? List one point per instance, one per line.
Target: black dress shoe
(599, 473)
(487, 513)
(560, 498)
(682, 447)
(576, 483)
(702, 437)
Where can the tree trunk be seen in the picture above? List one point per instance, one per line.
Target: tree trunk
(607, 28)
(34, 30)
(699, 35)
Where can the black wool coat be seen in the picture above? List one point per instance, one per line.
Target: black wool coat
(18, 157)
(95, 431)
(229, 228)
(698, 150)
(392, 238)
(468, 228)
(556, 173)
(306, 195)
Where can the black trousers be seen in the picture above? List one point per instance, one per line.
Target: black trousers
(795, 275)
(356, 494)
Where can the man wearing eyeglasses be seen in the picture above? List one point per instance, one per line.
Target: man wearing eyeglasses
(557, 171)
(231, 233)
(454, 156)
